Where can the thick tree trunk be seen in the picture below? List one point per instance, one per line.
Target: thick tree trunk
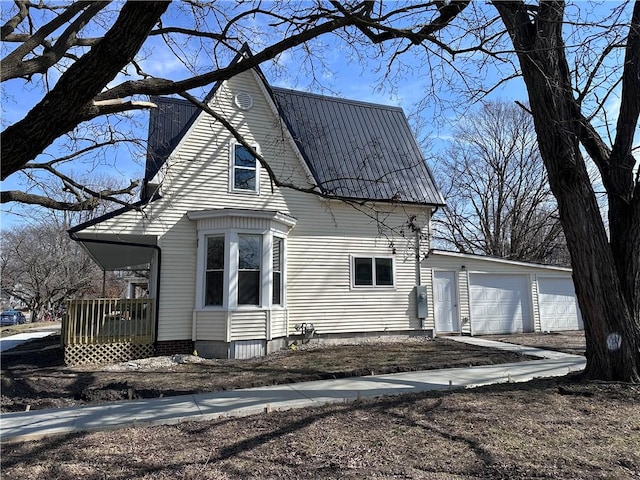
(63, 107)
(605, 273)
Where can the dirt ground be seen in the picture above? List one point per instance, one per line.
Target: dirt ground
(545, 429)
(38, 379)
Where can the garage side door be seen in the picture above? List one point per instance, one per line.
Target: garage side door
(444, 301)
(499, 303)
(558, 305)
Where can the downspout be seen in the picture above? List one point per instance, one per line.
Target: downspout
(418, 269)
(421, 292)
(418, 260)
(141, 245)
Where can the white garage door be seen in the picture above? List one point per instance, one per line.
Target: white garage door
(558, 305)
(499, 303)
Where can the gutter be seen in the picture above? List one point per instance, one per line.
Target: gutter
(75, 238)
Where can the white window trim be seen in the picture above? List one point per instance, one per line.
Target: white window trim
(230, 277)
(352, 272)
(232, 169)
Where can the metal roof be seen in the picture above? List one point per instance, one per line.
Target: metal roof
(167, 125)
(354, 149)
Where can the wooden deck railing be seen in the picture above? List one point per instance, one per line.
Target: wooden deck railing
(109, 320)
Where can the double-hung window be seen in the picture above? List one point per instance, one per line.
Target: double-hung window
(244, 169)
(214, 281)
(276, 271)
(249, 259)
(372, 272)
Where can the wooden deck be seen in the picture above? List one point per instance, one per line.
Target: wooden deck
(108, 329)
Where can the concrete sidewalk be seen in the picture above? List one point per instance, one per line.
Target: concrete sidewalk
(164, 411)
(7, 343)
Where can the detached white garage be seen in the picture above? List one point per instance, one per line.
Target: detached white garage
(499, 303)
(477, 295)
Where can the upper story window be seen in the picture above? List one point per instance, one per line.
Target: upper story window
(244, 169)
(372, 272)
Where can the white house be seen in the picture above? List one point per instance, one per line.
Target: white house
(240, 267)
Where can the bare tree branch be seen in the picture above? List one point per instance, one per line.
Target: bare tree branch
(64, 107)
(13, 65)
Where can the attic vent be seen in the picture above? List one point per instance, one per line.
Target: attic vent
(243, 101)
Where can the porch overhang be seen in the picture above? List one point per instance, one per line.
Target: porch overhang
(117, 251)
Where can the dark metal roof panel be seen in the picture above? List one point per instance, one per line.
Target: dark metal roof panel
(356, 149)
(167, 125)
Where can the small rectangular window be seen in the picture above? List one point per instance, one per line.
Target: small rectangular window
(250, 253)
(277, 271)
(244, 169)
(372, 272)
(214, 271)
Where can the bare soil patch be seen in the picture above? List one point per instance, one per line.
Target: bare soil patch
(545, 429)
(38, 378)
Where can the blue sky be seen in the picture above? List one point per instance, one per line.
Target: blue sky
(336, 71)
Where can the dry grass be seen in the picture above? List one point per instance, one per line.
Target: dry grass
(568, 342)
(545, 429)
(15, 329)
(509, 431)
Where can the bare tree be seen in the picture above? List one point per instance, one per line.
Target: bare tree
(41, 266)
(573, 62)
(498, 198)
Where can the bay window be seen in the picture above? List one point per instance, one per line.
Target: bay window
(241, 261)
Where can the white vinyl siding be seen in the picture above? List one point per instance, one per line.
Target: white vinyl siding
(463, 302)
(317, 265)
(211, 325)
(251, 324)
(177, 282)
(278, 323)
(319, 277)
